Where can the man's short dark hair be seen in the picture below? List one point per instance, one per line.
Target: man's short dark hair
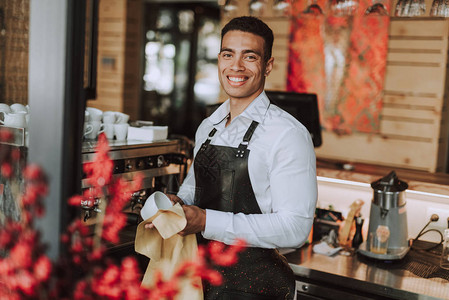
(255, 26)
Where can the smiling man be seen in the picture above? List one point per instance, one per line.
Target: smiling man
(253, 176)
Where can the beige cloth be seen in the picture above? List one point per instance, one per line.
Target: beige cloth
(167, 250)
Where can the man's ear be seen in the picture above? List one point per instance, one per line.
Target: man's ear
(269, 66)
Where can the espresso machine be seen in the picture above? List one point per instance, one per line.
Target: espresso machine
(162, 166)
(387, 237)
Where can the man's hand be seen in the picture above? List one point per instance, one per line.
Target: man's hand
(196, 219)
(174, 199)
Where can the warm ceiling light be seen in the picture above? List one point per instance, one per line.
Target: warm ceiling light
(256, 7)
(282, 7)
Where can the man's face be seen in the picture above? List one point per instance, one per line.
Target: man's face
(241, 66)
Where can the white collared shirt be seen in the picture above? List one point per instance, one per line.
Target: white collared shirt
(282, 170)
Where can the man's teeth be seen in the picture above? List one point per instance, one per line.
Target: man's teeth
(236, 79)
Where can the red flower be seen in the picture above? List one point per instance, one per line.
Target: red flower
(111, 275)
(80, 290)
(227, 257)
(76, 200)
(5, 238)
(99, 172)
(6, 267)
(6, 135)
(213, 277)
(6, 170)
(33, 172)
(26, 283)
(134, 292)
(77, 246)
(112, 226)
(130, 270)
(21, 255)
(42, 268)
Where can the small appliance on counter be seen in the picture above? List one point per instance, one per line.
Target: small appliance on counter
(387, 234)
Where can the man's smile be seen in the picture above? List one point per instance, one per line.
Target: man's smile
(238, 80)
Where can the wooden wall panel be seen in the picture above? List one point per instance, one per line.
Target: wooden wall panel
(14, 51)
(416, 78)
(119, 61)
(414, 44)
(409, 128)
(413, 131)
(378, 149)
(406, 99)
(425, 28)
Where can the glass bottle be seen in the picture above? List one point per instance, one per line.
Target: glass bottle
(398, 10)
(358, 238)
(434, 8)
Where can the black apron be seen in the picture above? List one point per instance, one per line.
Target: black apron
(223, 183)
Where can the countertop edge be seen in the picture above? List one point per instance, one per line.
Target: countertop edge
(355, 284)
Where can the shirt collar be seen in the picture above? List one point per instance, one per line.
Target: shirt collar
(256, 110)
(220, 114)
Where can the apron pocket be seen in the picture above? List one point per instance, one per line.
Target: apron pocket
(210, 190)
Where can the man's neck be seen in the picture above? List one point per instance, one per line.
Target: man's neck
(236, 107)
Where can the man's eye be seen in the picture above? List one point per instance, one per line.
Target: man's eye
(250, 57)
(226, 55)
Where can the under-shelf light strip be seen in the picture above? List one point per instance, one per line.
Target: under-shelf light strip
(367, 185)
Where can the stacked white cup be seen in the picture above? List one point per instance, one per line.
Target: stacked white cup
(121, 126)
(92, 123)
(112, 123)
(116, 125)
(14, 115)
(108, 122)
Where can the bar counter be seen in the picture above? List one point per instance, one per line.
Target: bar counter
(352, 276)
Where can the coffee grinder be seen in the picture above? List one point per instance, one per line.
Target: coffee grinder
(387, 237)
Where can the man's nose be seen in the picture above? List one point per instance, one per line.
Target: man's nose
(237, 64)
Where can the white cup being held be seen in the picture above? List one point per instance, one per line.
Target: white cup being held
(155, 202)
(121, 131)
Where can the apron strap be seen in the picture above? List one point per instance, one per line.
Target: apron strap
(206, 143)
(248, 135)
(243, 145)
(246, 138)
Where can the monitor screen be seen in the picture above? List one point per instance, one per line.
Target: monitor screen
(304, 107)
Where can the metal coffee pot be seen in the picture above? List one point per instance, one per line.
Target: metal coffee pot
(388, 220)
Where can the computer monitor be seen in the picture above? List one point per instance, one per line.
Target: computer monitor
(304, 107)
